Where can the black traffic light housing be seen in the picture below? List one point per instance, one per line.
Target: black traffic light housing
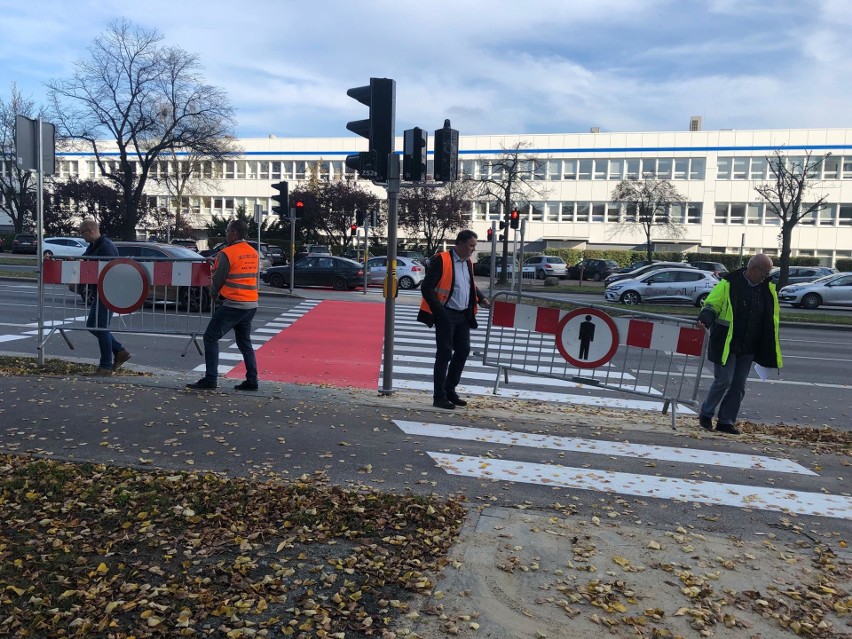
(299, 206)
(514, 219)
(281, 207)
(446, 154)
(380, 97)
(359, 218)
(353, 230)
(414, 155)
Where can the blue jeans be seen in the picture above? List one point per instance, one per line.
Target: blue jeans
(452, 339)
(224, 319)
(728, 388)
(100, 317)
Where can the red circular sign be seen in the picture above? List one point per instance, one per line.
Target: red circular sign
(123, 285)
(578, 337)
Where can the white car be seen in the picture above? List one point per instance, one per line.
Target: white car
(64, 246)
(409, 272)
(664, 285)
(831, 290)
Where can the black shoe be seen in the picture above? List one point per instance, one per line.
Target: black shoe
(246, 385)
(458, 401)
(202, 384)
(444, 403)
(705, 422)
(731, 429)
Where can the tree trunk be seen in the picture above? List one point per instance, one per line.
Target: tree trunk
(786, 241)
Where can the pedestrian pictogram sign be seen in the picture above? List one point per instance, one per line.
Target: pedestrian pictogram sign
(587, 338)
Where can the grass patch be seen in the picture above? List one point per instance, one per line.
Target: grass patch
(11, 365)
(94, 550)
(30, 275)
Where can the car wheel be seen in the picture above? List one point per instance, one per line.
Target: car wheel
(539, 274)
(597, 277)
(339, 283)
(701, 299)
(630, 298)
(406, 283)
(811, 301)
(276, 280)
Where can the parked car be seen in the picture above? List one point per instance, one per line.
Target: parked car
(2, 246)
(318, 270)
(799, 274)
(664, 285)
(542, 266)
(25, 243)
(415, 255)
(265, 262)
(189, 243)
(592, 269)
(357, 255)
(831, 290)
(483, 265)
(409, 272)
(313, 249)
(64, 246)
(644, 269)
(635, 265)
(714, 267)
(276, 255)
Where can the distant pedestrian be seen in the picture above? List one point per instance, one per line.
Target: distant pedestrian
(742, 314)
(235, 282)
(113, 354)
(450, 301)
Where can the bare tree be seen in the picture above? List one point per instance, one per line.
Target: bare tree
(17, 186)
(144, 99)
(507, 180)
(648, 201)
(329, 211)
(435, 214)
(790, 180)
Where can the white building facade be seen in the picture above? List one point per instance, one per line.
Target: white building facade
(570, 205)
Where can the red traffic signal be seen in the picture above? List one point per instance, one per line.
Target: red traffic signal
(353, 230)
(299, 205)
(490, 234)
(514, 218)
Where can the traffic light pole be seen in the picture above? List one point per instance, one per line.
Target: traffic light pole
(390, 299)
(366, 247)
(292, 248)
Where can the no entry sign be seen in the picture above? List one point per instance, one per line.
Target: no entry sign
(123, 285)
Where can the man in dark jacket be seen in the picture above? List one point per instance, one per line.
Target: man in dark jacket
(742, 314)
(100, 315)
(450, 300)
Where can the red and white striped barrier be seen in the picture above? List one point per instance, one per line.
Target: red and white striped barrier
(159, 273)
(637, 333)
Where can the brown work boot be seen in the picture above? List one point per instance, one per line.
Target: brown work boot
(103, 372)
(120, 357)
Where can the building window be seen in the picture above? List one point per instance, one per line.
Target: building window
(569, 169)
(676, 213)
(480, 210)
(613, 212)
(582, 212)
(696, 169)
(827, 216)
(681, 168)
(844, 218)
(693, 213)
(601, 169)
(831, 168)
(616, 169)
(740, 168)
(466, 168)
(721, 214)
(585, 170)
(568, 211)
(632, 169)
(664, 168)
(598, 212)
(551, 211)
(554, 169)
(737, 214)
(723, 168)
(758, 169)
(649, 166)
(537, 211)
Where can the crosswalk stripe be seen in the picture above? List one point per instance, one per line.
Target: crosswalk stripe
(11, 338)
(600, 447)
(687, 490)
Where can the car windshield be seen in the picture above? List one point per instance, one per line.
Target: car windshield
(183, 253)
(555, 260)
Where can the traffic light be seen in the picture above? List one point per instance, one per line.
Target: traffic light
(353, 230)
(380, 96)
(446, 154)
(490, 233)
(414, 155)
(502, 224)
(281, 205)
(299, 205)
(359, 218)
(514, 219)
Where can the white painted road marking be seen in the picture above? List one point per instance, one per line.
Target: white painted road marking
(598, 447)
(687, 490)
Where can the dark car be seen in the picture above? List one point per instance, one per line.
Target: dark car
(801, 274)
(25, 243)
(644, 269)
(717, 268)
(189, 243)
(276, 255)
(483, 265)
(2, 248)
(318, 270)
(595, 270)
(635, 265)
(265, 262)
(313, 249)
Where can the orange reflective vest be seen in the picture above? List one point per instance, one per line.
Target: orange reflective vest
(445, 284)
(241, 283)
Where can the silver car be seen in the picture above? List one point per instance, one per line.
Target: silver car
(542, 266)
(664, 285)
(831, 290)
(409, 272)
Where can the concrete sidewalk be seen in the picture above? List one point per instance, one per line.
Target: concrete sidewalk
(514, 572)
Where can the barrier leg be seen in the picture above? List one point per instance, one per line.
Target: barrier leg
(65, 337)
(192, 340)
(497, 379)
(674, 415)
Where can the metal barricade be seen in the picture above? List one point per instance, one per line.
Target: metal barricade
(608, 347)
(159, 296)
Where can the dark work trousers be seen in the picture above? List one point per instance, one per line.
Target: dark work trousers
(224, 319)
(452, 339)
(728, 388)
(99, 317)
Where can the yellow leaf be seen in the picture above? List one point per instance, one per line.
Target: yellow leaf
(16, 590)
(621, 561)
(103, 569)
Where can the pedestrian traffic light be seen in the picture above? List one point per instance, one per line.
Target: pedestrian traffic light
(299, 206)
(490, 233)
(380, 97)
(281, 205)
(353, 230)
(502, 224)
(359, 218)
(446, 154)
(514, 218)
(414, 155)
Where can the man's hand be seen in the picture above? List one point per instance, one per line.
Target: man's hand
(485, 302)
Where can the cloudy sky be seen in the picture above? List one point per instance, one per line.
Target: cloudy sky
(493, 67)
